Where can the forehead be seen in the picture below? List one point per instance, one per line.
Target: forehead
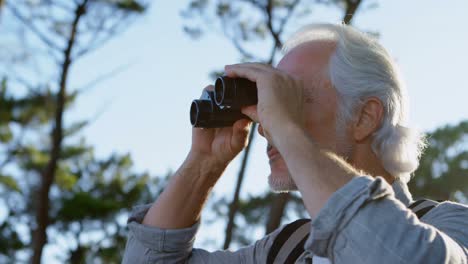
(309, 63)
(307, 59)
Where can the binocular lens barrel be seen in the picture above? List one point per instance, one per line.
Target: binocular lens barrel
(200, 112)
(221, 107)
(235, 92)
(205, 113)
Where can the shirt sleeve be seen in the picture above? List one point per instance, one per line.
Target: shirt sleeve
(363, 222)
(147, 244)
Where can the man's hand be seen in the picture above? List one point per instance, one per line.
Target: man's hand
(280, 97)
(218, 146)
(181, 202)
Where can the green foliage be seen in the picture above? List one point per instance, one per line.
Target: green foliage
(65, 178)
(5, 134)
(444, 165)
(104, 188)
(89, 192)
(83, 205)
(75, 151)
(10, 183)
(10, 241)
(131, 5)
(90, 196)
(35, 108)
(31, 158)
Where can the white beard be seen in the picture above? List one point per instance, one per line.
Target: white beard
(282, 184)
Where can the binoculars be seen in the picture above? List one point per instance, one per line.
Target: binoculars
(222, 107)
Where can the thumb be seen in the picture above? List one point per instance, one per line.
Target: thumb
(240, 134)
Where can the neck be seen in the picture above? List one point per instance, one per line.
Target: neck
(363, 158)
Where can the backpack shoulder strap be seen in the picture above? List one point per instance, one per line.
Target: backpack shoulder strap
(422, 206)
(289, 243)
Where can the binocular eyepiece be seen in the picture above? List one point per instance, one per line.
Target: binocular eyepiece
(222, 107)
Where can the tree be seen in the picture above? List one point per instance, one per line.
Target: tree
(59, 33)
(443, 167)
(264, 25)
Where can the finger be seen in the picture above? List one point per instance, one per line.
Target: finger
(260, 66)
(244, 71)
(257, 65)
(209, 88)
(251, 112)
(241, 130)
(198, 133)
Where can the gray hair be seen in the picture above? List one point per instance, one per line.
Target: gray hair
(361, 68)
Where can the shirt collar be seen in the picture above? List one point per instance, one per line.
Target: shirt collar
(401, 192)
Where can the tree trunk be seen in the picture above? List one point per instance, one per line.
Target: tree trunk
(350, 11)
(234, 206)
(48, 175)
(78, 255)
(2, 2)
(235, 201)
(278, 204)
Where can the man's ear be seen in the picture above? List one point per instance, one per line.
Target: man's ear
(368, 119)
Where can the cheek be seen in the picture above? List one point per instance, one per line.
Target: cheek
(321, 121)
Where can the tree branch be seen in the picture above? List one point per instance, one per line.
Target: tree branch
(31, 27)
(274, 34)
(12, 151)
(241, 49)
(255, 4)
(287, 16)
(96, 41)
(234, 206)
(278, 204)
(48, 175)
(235, 42)
(351, 8)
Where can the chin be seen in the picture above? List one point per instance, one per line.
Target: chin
(280, 180)
(281, 185)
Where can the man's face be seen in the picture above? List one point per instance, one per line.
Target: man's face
(309, 63)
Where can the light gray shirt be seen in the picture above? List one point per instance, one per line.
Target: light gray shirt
(365, 221)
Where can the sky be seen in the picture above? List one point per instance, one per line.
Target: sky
(144, 109)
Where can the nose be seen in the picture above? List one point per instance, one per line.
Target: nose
(260, 130)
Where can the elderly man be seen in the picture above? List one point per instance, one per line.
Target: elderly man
(333, 113)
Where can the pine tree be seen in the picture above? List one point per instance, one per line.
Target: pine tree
(55, 189)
